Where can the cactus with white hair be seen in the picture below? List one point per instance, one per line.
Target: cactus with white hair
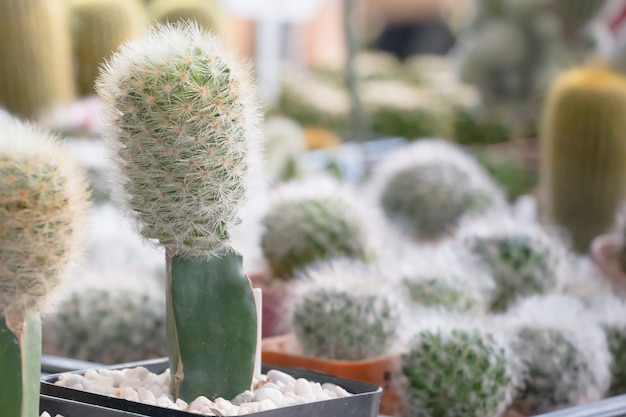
(183, 124)
(43, 213)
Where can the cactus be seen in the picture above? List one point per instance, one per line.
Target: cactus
(341, 311)
(312, 220)
(575, 14)
(426, 188)
(183, 122)
(108, 327)
(43, 211)
(285, 144)
(206, 13)
(522, 258)
(443, 279)
(583, 147)
(461, 372)
(36, 70)
(565, 354)
(610, 313)
(98, 28)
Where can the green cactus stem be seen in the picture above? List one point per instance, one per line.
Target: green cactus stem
(219, 292)
(20, 366)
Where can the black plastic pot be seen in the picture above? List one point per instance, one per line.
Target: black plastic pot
(69, 408)
(364, 403)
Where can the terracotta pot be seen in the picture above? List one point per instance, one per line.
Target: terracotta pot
(383, 371)
(604, 253)
(275, 295)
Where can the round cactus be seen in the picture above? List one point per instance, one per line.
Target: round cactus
(457, 372)
(565, 354)
(610, 313)
(183, 122)
(438, 277)
(521, 258)
(341, 311)
(426, 188)
(313, 220)
(43, 215)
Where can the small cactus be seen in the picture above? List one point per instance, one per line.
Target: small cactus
(43, 214)
(564, 351)
(521, 258)
(341, 311)
(313, 220)
(183, 123)
(583, 147)
(98, 28)
(460, 372)
(426, 188)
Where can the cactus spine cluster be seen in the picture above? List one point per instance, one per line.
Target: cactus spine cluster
(426, 188)
(341, 312)
(565, 355)
(457, 372)
(98, 28)
(35, 56)
(313, 220)
(183, 123)
(583, 148)
(43, 211)
(521, 258)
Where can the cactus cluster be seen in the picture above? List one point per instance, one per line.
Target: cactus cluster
(342, 311)
(565, 354)
(35, 51)
(98, 28)
(456, 371)
(314, 219)
(521, 257)
(427, 187)
(583, 148)
(183, 124)
(43, 212)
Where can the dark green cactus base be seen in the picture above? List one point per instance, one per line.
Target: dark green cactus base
(211, 325)
(20, 368)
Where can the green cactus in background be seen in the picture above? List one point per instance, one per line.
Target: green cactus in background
(35, 51)
(183, 123)
(583, 153)
(522, 258)
(427, 187)
(98, 28)
(575, 14)
(457, 372)
(108, 327)
(442, 279)
(341, 311)
(206, 13)
(610, 313)
(43, 212)
(565, 354)
(312, 220)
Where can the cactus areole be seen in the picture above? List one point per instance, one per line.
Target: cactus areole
(182, 123)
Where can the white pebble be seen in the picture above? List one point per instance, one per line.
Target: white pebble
(267, 393)
(199, 403)
(225, 407)
(278, 376)
(145, 396)
(139, 372)
(303, 387)
(247, 408)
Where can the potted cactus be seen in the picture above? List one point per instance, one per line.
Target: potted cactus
(43, 212)
(183, 126)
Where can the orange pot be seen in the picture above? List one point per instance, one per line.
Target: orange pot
(383, 371)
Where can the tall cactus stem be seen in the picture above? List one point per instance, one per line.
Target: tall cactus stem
(211, 321)
(20, 361)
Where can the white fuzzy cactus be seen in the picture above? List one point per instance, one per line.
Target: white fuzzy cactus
(315, 219)
(343, 309)
(427, 187)
(183, 123)
(521, 257)
(564, 351)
